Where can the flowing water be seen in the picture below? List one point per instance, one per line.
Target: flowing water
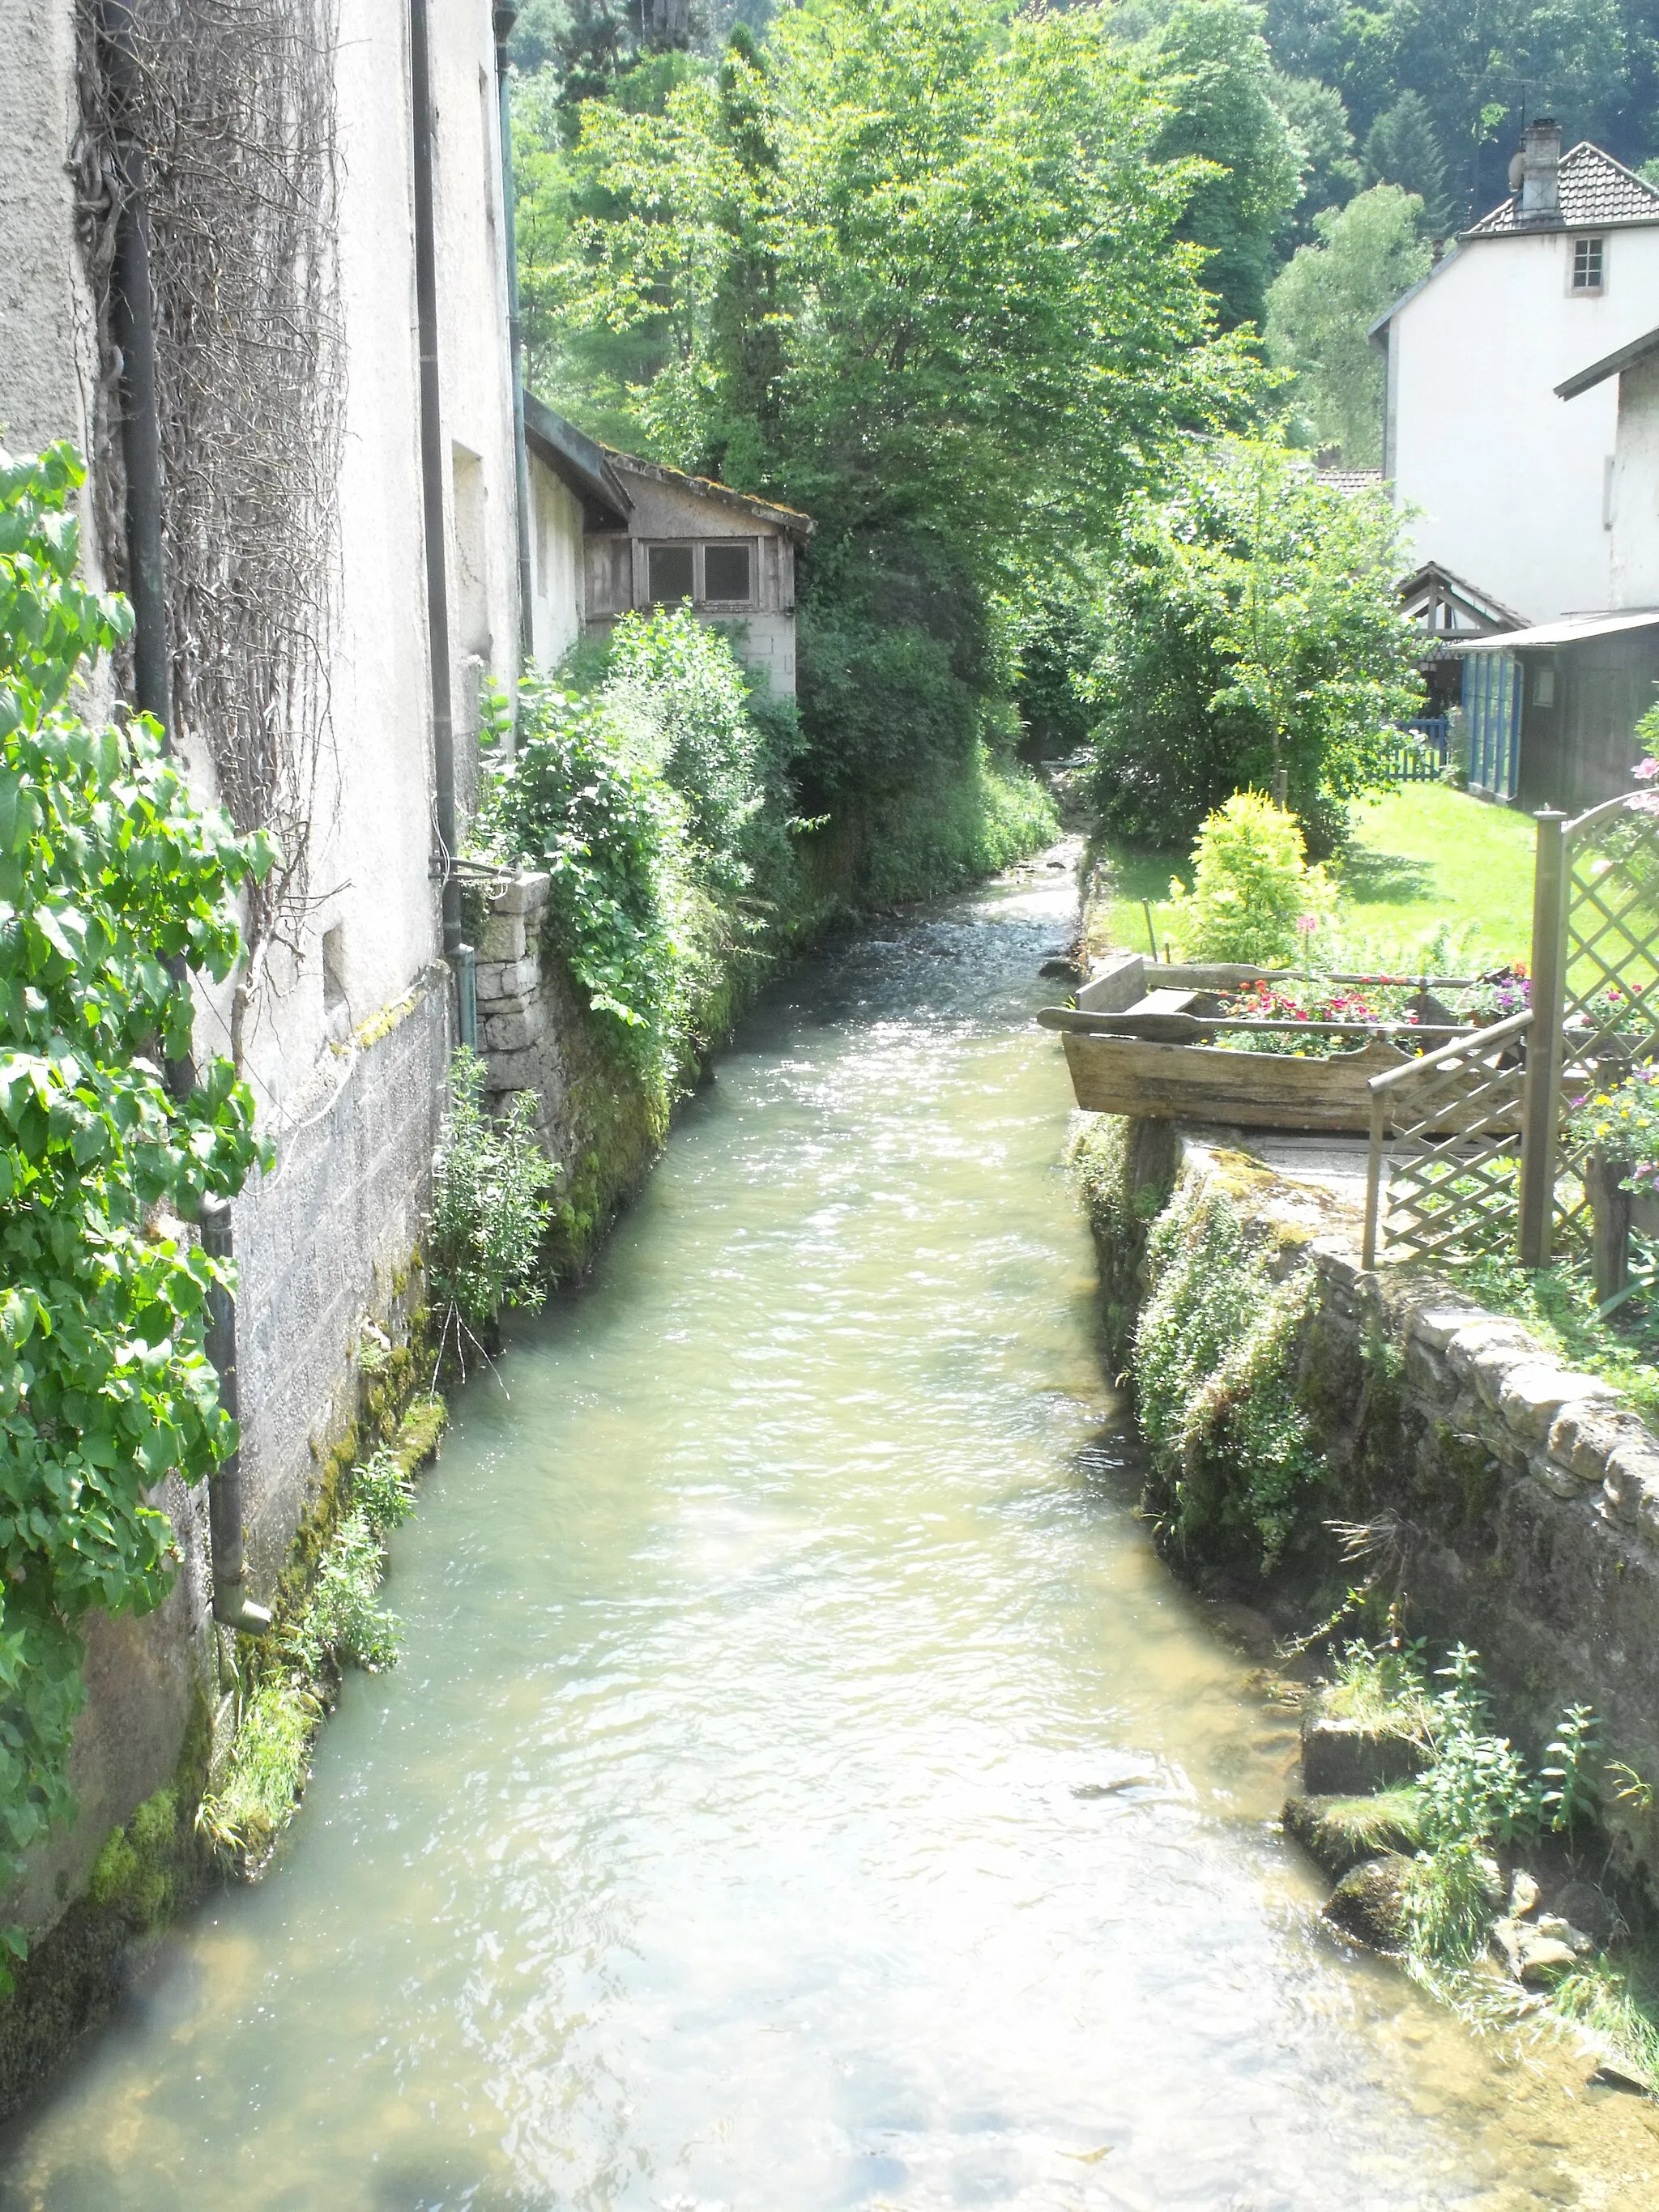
(802, 1787)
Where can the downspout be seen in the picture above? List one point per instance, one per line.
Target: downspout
(132, 315)
(506, 14)
(133, 320)
(231, 1603)
(432, 501)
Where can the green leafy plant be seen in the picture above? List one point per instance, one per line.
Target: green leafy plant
(488, 1212)
(1572, 1760)
(114, 885)
(1253, 897)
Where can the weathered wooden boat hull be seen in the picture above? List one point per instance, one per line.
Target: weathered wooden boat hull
(1245, 1089)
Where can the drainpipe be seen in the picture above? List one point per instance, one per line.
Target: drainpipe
(506, 14)
(132, 314)
(231, 1603)
(432, 494)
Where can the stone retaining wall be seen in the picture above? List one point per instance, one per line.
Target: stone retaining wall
(1515, 1501)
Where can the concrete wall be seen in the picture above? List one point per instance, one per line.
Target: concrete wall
(1635, 488)
(556, 565)
(45, 325)
(1513, 483)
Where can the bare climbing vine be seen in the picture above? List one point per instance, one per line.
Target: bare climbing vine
(232, 111)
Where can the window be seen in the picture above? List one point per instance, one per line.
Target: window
(1586, 264)
(726, 572)
(670, 574)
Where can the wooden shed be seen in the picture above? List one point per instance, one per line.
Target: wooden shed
(655, 536)
(1584, 683)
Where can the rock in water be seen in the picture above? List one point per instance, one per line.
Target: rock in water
(1368, 1905)
(1523, 1893)
(1340, 1831)
(1345, 1758)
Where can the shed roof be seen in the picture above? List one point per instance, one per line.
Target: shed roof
(1609, 365)
(789, 519)
(1597, 194)
(578, 461)
(1571, 629)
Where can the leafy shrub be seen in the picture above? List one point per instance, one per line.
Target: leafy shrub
(925, 842)
(1254, 897)
(115, 886)
(674, 688)
(1253, 622)
(1214, 1357)
(489, 1216)
(604, 827)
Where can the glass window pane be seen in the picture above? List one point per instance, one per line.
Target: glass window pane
(671, 574)
(726, 572)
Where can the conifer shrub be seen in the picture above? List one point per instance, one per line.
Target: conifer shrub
(1253, 896)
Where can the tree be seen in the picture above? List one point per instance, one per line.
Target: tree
(1317, 122)
(1211, 67)
(1253, 625)
(1402, 148)
(1321, 305)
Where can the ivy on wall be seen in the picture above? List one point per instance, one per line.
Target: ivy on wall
(112, 885)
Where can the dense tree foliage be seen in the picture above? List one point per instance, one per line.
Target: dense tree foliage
(1252, 626)
(1320, 308)
(921, 268)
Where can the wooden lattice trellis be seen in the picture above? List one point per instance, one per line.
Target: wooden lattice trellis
(1595, 996)
(1444, 1147)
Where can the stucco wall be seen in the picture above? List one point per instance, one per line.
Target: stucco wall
(43, 322)
(556, 565)
(1510, 480)
(1636, 488)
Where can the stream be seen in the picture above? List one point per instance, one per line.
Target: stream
(803, 1787)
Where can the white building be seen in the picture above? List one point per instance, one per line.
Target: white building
(1510, 491)
(346, 1032)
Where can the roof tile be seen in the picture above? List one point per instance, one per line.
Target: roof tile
(1597, 194)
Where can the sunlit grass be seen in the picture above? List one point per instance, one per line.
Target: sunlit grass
(1423, 857)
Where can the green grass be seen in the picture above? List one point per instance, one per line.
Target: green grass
(1423, 857)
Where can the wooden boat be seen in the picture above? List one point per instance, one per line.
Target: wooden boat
(1143, 1053)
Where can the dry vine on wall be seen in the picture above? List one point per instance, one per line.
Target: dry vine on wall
(232, 111)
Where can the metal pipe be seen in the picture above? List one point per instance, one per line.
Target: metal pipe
(133, 318)
(231, 1603)
(432, 476)
(505, 15)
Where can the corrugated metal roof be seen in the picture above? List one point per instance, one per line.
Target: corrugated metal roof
(1597, 194)
(1572, 629)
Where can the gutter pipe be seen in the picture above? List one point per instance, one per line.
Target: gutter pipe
(505, 15)
(431, 499)
(231, 1603)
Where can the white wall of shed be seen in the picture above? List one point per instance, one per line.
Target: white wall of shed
(556, 565)
(1635, 488)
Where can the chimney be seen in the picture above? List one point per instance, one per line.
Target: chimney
(1540, 163)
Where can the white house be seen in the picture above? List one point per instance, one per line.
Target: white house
(1510, 491)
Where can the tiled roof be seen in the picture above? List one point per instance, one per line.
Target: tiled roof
(1349, 479)
(1597, 194)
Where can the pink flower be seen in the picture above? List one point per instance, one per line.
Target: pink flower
(1644, 771)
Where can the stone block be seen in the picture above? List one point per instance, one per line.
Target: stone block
(1483, 1353)
(1436, 1326)
(1632, 1475)
(1337, 1257)
(513, 1032)
(1555, 1478)
(1532, 1394)
(509, 978)
(1582, 1436)
(503, 937)
(514, 1071)
(525, 895)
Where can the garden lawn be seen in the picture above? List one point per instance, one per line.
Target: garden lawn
(1423, 858)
